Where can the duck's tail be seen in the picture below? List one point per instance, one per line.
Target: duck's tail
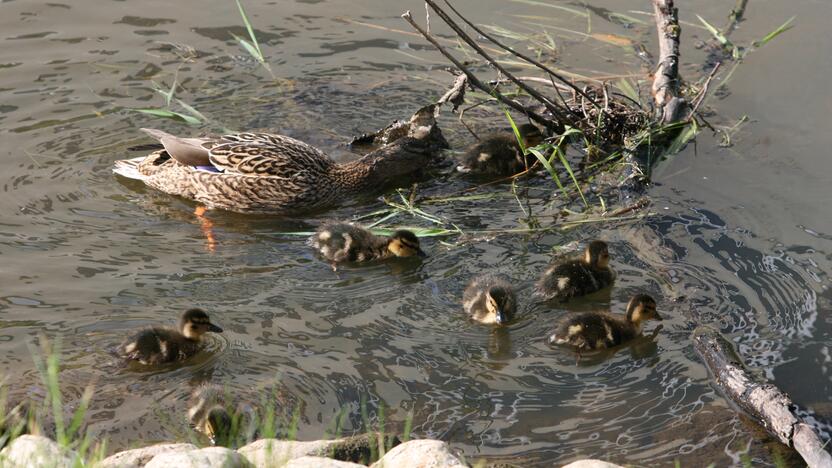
(129, 168)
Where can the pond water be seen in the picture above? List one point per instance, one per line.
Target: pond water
(739, 239)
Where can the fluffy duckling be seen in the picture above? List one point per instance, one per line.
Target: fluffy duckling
(158, 345)
(490, 300)
(500, 154)
(598, 330)
(346, 242)
(209, 414)
(577, 277)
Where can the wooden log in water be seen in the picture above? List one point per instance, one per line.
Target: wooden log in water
(669, 105)
(761, 400)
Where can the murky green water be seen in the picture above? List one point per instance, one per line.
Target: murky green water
(740, 239)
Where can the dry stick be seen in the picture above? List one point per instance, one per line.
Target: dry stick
(666, 79)
(735, 17)
(763, 402)
(704, 92)
(520, 55)
(556, 110)
(473, 79)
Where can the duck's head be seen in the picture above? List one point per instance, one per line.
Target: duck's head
(500, 303)
(642, 308)
(597, 254)
(217, 425)
(195, 323)
(530, 134)
(405, 244)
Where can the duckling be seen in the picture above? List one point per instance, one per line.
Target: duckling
(346, 242)
(209, 414)
(577, 277)
(598, 330)
(490, 300)
(157, 345)
(500, 154)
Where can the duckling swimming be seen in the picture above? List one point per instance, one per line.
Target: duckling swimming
(598, 330)
(500, 154)
(209, 414)
(577, 277)
(346, 242)
(158, 345)
(490, 300)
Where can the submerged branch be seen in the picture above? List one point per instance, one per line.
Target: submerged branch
(763, 402)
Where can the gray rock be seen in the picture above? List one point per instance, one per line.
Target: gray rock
(268, 453)
(420, 454)
(320, 462)
(138, 458)
(36, 452)
(211, 457)
(591, 463)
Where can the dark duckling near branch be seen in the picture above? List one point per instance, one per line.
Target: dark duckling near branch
(499, 153)
(211, 412)
(599, 330)
(159, 345)
(341, 242)
(490, 300)
(573, 278)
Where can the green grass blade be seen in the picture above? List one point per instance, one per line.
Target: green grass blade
(627, 88)
(167, 114)
(191, 110)
(549, 169)
(515, 130)
(682, 139)
(256, 46)
(780, 30)
(249, 48)
(550, 5)
(568, 168)
(715, 32)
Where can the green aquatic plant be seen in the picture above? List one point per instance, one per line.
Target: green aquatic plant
(252, 46)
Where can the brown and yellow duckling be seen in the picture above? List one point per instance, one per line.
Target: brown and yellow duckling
(597, 330)
(573, 278)
(490, 300)
(159, 345)
(341, 242)
(499, 154)
(211, 413)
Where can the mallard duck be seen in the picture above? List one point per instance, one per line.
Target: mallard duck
(211, 413)
(266, 173)
(500, 154)
(490, 299)
(158, 345)
(577, 277)
(341, 242)
(598, 330)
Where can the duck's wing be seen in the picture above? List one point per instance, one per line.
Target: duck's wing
(265, 154)
(247, 153)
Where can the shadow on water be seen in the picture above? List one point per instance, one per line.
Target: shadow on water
(90, 258)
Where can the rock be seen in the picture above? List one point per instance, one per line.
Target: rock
(420, 454)
(320, 462)
(35, 452)
(267, 453)
(138, 458)
(591, 463)
(211, 457)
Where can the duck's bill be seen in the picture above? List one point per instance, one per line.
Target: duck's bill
(501, 318)
(214, 328)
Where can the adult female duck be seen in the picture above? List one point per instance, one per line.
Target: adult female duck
(266, 173)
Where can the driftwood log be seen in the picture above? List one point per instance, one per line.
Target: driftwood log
(669, 105)
(760, 400)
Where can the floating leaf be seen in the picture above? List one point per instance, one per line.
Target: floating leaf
(168, 114)
(780, 30)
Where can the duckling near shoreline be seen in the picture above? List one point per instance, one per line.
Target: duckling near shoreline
(500, 154)
(211, 413)
(573, 278)
(341, 242)
(598, 330)
(159, 345)
(490, 300)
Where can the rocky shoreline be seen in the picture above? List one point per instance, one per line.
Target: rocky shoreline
(41, 452)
